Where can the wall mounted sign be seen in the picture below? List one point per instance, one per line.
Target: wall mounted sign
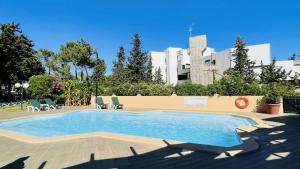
(195, 101)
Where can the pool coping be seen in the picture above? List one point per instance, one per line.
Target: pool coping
(249, 144)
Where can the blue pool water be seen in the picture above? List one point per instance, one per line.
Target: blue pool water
(202, 128)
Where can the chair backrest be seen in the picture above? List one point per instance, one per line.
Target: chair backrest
(115, 101)
(50, 102)
(99, 101)
(35, 103)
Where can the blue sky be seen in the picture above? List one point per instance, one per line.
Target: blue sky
(161, 23)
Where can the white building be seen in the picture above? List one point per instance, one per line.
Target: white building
(201, 64)
(224, 59)
(292, 66)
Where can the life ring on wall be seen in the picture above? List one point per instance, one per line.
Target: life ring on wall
(240, 105)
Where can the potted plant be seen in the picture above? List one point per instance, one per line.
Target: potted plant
(272, 97)
(273, 103)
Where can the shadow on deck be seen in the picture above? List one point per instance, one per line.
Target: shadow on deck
(279, 148)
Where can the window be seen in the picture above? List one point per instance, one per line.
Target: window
(183, 77)
(182, 66)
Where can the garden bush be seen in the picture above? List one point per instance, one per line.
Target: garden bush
(42, 86)
(144, 89)
(273, 91)
(189, 89)
(77, 92)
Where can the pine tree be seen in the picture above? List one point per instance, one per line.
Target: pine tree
(119, 74)
(296, 79)
(271, 73)
(48, 57)
(158, 77)
(149, 76)
(243, 66)
(70, 51)
(119, 64)
(99, 71)
(136, 61)
(18, 59)
(85, 60)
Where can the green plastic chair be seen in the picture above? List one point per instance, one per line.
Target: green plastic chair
(100, 103)
(50, 103)
(116, 104)
(34, 105)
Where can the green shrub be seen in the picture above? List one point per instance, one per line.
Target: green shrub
(124, 89)
(160, 90)
(231, 86)
(61, 99)
(77, 92)
(212, 89)
(253, 89)
(144, 89)
(40, 86)
(189, 89)
(274, 91)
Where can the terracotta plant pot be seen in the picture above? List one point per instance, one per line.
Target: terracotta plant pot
(273, 108)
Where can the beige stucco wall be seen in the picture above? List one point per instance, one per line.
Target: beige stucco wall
(214, 103)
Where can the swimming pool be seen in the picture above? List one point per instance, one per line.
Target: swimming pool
(201, 128)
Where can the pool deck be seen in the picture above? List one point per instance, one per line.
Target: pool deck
(279, 148)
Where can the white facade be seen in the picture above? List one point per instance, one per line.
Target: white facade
(292, 66)
(202, 64)
(167, 62)
(224, 60)
(158, 61)
(171, 64)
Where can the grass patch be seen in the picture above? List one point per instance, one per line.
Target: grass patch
(16, 108)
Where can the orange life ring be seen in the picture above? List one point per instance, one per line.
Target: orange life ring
(238, 102)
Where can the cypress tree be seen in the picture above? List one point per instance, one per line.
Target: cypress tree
(158, 77)
(119, 64)
(136, 61)
(99, 71)
(149, 76)
(119, 70)
(270, 73)
(243, 66)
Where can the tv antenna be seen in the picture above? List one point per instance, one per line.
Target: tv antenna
(191, 29)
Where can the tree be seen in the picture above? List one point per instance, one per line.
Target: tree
(137, 61)
(158, 77)
(243, 65)
(119, 70)
(296, 79)
(149, 75)
(80, 54)
(294, 57)
(77, 92)
(69, 50)
(18, 60)
(271, 73)
(84, 54)
(99, 70)
(120, 63)
(48, 58)
(63, 67)
(40, 86)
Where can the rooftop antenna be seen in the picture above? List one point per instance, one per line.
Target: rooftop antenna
(191, 29)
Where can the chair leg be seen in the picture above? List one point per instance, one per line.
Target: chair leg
(30, 107)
